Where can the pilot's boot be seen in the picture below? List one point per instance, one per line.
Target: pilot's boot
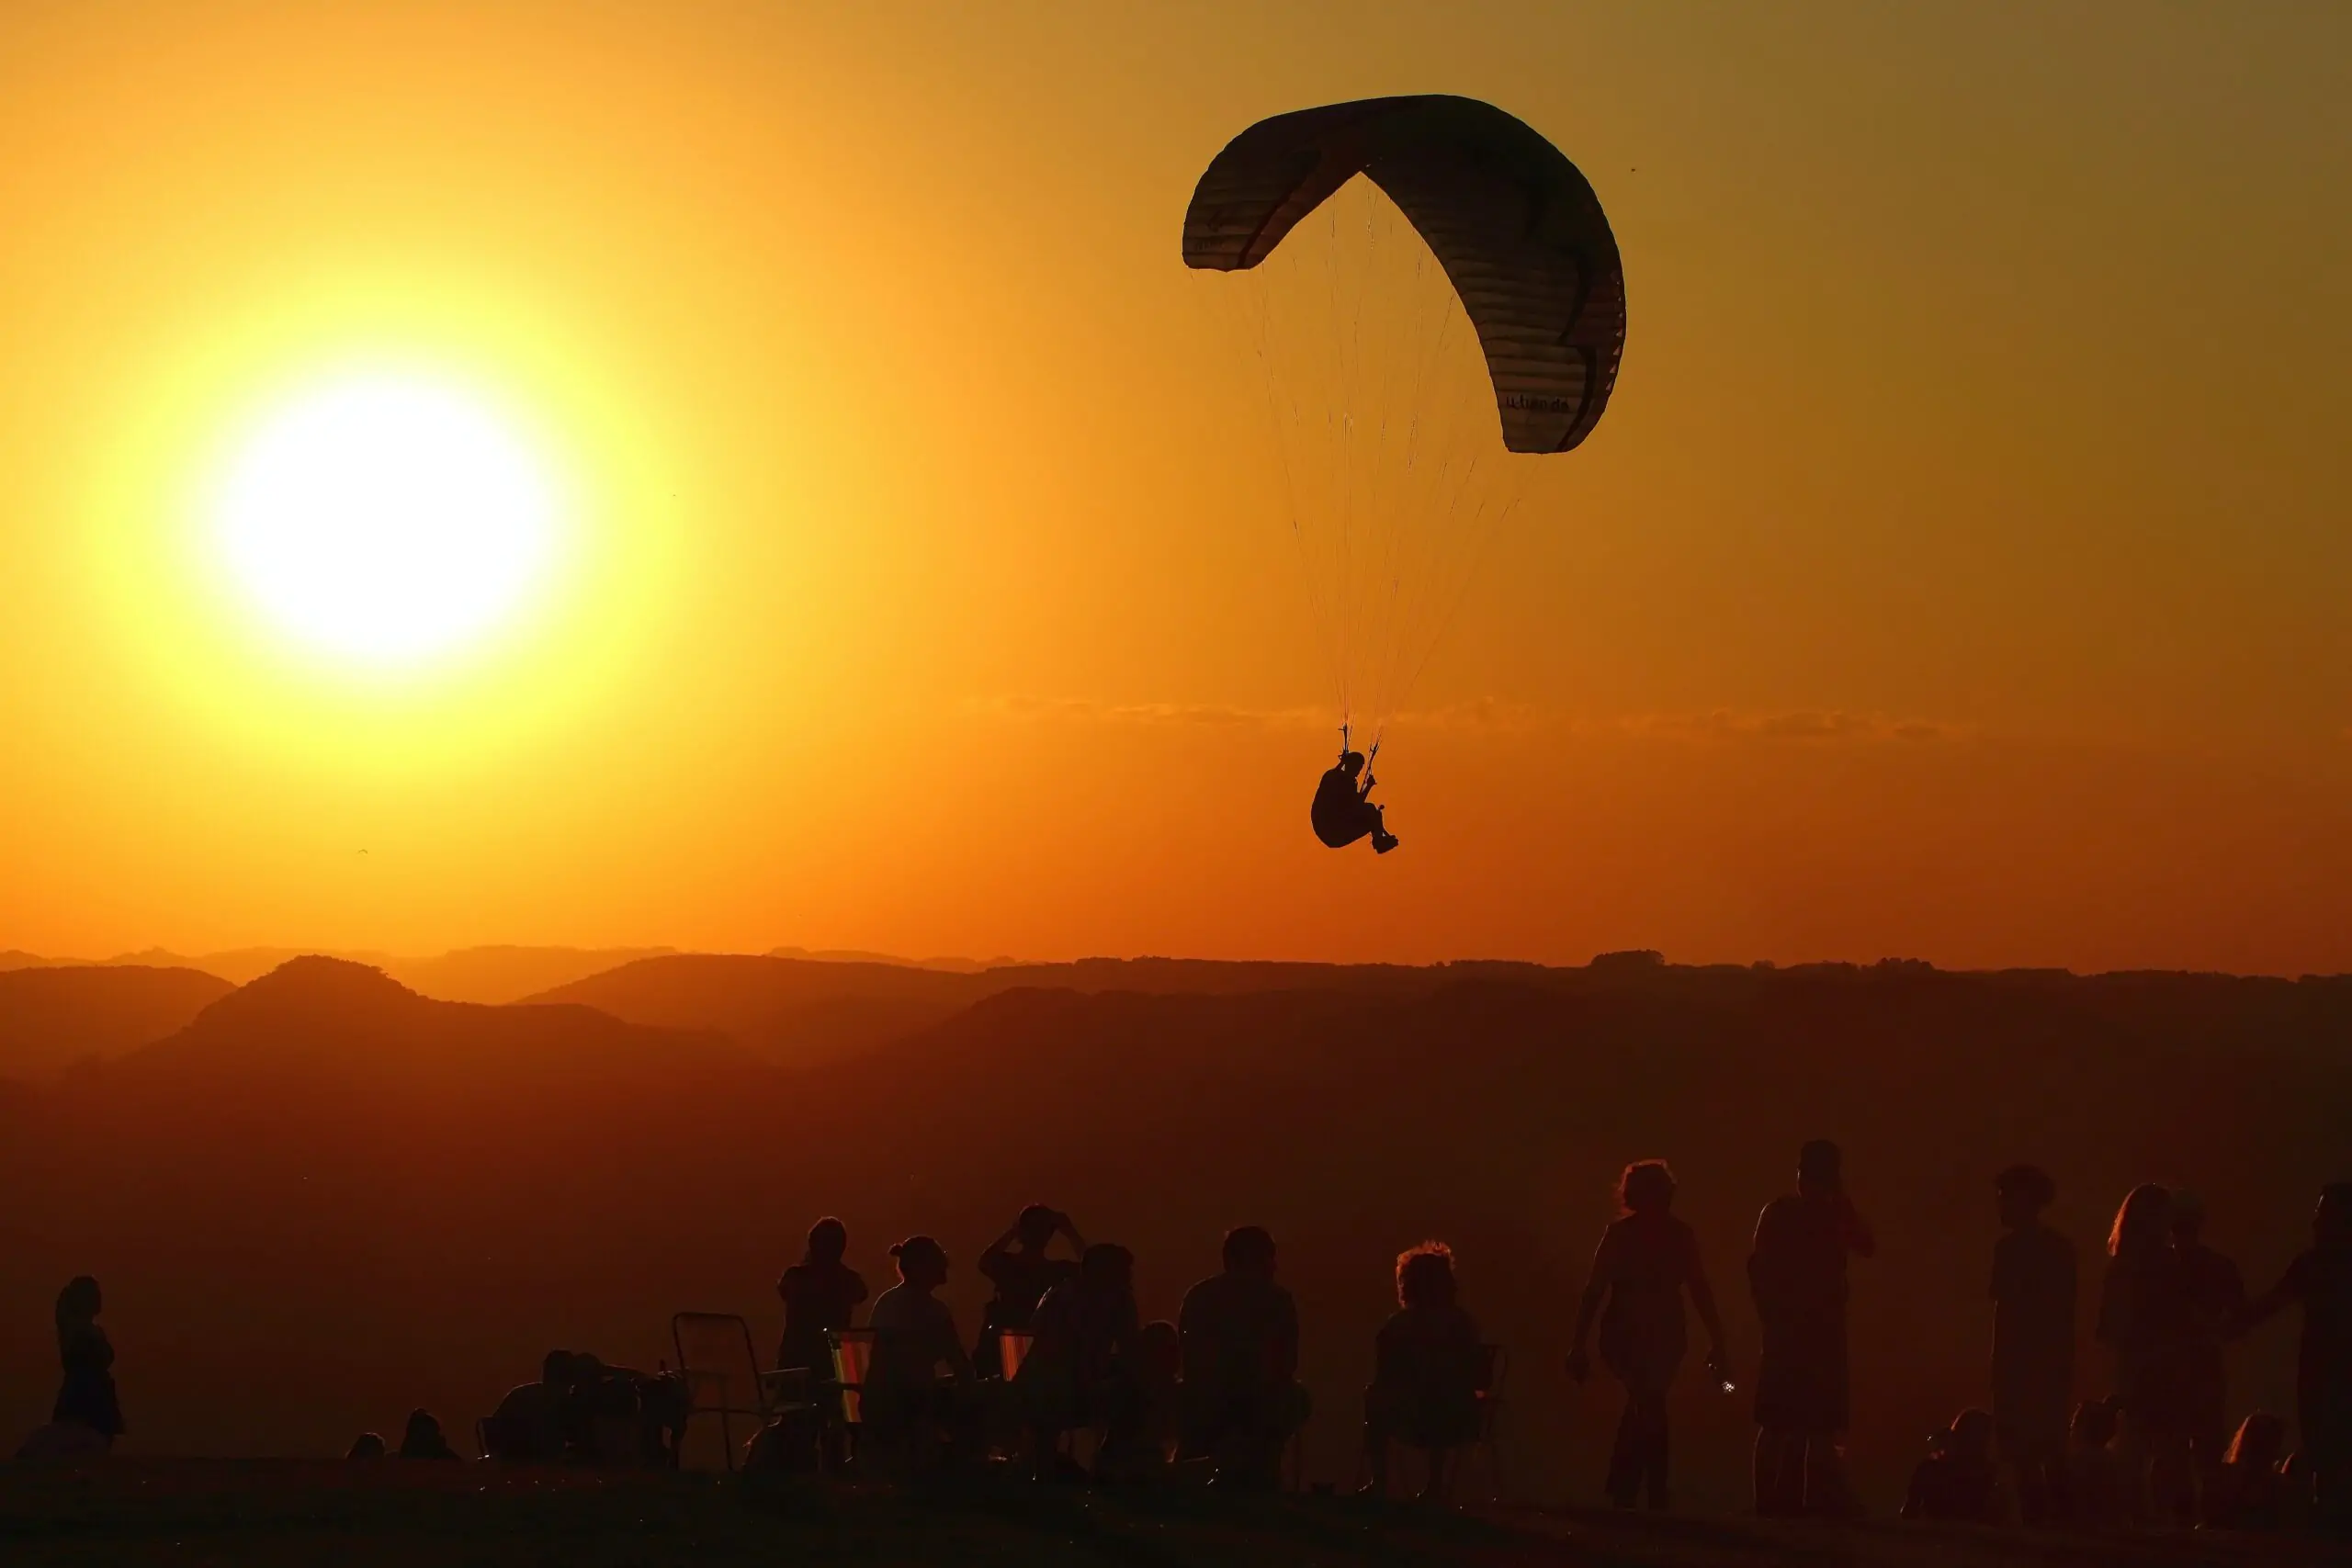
(1382, 842)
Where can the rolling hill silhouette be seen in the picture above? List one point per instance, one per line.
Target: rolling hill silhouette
(800, 1010)
(327, 1199)
(51, 1018)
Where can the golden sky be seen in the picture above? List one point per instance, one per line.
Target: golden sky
(1959, 572)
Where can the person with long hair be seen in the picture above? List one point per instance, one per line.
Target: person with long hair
(1797, 1275)
(87, 1396)
(1428, 1362)
(2143, 1319)
(819, 1293)
(1646, 1259)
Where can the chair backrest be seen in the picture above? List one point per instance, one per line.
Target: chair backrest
(852, 1356)
(1013, 1349)
(717, 1359)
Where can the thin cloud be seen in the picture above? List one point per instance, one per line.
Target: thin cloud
(1793, 725)
(1088, 710)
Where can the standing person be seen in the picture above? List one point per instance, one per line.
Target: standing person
(2033, 1341)
(1428, 1365)
(2320, 1279)
(821, 1292)
(2143, 1319)
(1238, 1338)
(1017, 1265)
(85, 1397)
(1646, 1259)
(2215, 1293)
(1797, 1274)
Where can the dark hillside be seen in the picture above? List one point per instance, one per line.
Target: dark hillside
(386, 1200)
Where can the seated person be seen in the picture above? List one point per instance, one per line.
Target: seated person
(1238, 1338)
(2249, 1493)
(820, 1294)
(527, 1427)
(423, 1439)
(2095, 1493)
(1955, 1481)
(914, 1336)
(1017, 1264)
(1081, 1371)
(1342, 812)
(365, 1446)
(1427, 1365)
(1141, 1446)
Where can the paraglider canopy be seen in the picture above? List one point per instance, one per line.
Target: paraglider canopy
(1518, 230)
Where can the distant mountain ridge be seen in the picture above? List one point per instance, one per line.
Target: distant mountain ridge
(495, 974)
(53, 1018)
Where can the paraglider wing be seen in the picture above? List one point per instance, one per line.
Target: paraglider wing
(1518, 230)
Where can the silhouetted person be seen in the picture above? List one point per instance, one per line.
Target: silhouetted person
(1143, 1447)
(531, 1423)
(366, 1447)
(423, 1438)
(1343, 811)
(2320, 1281)
(85, 1394)
(1428, 1362)
(2247, 1492)
(1240, 1335)
(2143, 1318)
(2033, 1341)
(1955, 1481)
(914, 1340)
(2216, 1293)
(821, 1293)
(1797, 1273)
(1647, 1258)
(1082, 1369)
(1018, 1264)
(2094, 1492)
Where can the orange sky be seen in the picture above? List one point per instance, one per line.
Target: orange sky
(1957, 573)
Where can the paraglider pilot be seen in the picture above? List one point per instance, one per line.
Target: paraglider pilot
(1343, 811)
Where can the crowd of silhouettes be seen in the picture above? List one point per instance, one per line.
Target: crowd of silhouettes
(1061, 1348)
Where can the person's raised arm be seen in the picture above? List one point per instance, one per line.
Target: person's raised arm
(2268, 1306)
(998, 1250)
(1069, 1227)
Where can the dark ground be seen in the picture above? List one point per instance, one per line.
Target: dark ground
(270, 1512)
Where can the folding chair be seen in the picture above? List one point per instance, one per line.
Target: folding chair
(722, 1373)
(1494, 1362)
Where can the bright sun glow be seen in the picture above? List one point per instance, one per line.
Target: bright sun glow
(386, 519)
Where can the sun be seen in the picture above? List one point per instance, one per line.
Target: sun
(386, 519)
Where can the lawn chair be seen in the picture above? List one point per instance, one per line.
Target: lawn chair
(722, 1373)
(1494, 1362)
